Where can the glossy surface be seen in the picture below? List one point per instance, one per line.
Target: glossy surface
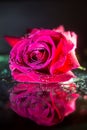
(10, 120)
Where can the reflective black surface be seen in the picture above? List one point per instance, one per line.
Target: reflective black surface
(10, 120)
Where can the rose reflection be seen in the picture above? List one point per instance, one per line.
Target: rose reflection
(45, 104)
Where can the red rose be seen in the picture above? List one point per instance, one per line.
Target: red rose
(45, 104)
(43, 55)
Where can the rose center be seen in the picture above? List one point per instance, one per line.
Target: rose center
(38, 55)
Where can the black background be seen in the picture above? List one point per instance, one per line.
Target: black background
(18, 15)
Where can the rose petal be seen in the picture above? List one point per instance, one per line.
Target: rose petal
(59, 29)
(68, 34)
(12, 40)
(33, 76)
(64, 47)
(70, 63)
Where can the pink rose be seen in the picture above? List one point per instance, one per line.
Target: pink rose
(43, 55)
(43, 103)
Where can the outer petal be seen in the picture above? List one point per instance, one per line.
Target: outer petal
(68, 34)
(33, 76)
(70, 63)
(12, 40)
(59, 29)
(61, 52)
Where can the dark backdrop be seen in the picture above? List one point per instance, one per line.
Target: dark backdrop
(18, 15)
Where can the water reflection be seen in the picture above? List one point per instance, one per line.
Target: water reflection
(45, 104)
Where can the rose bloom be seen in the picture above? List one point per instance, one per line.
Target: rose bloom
(42, 103)
(43, 55)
